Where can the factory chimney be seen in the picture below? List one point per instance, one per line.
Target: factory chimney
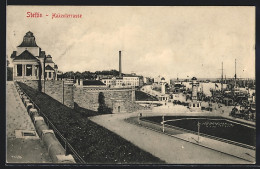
(120, 68)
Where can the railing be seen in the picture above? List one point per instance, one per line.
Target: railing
(202, 134)
(67, 146)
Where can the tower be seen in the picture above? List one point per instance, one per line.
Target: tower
(194, 105)
(163, 85)
(195, 86)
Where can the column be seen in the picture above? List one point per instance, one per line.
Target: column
(22, 70)
(56, 76)
(25, 70)
(14, 71)
(81, 82)
(36, 71)
(42, 70)
(33, 70)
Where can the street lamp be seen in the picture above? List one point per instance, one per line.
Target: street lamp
(44, 76)
(198, 131)
(162, 123)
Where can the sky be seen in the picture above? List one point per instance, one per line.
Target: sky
(168, 40)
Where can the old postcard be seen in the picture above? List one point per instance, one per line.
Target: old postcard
(130, 85)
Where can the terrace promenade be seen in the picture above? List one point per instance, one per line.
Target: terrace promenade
(21, 150)
(170, 149)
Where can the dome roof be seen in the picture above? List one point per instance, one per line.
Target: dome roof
(194, 78)
(28, 40)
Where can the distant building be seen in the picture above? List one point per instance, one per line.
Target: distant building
(148, 81)
(29, 61)
(125, 81)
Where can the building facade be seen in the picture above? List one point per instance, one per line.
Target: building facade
(125, 81)
(31, 63)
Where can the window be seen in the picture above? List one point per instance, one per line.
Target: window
(19, 70)
(193, 105)
(28, 70)
(198, 105)
(49, 74)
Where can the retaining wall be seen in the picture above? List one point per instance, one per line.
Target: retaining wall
(61, 91)
(120, 100)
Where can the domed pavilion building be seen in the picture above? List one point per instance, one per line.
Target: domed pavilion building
(31, 63)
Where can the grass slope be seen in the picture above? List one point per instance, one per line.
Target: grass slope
(94, 143)
(141, 96)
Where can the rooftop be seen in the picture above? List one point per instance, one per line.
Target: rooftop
(26, 55)
(48, 67)
(93, 83)
(28, 40)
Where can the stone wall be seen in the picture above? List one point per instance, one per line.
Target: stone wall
(121, 100)
(32, 84)
(61, 91)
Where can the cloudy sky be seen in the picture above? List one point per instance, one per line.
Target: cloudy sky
(188, 41)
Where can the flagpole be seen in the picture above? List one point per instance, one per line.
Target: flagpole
(222, 79)
(235, 73)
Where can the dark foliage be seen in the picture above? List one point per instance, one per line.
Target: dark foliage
(141, 96)
(9, 74)
(88, 74)
(103, 108)
(94, 143)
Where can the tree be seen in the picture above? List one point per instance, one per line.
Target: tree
(7, 63)
(9, 74)
(103, 109)
(234, 111)
(78, 75)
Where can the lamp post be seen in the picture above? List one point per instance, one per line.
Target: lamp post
(163, 123)
(198, 131)
(44, 76)
(140, 115)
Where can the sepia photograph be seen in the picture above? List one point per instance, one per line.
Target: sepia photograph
(130, 85)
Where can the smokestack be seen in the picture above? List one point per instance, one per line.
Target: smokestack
(120, 68)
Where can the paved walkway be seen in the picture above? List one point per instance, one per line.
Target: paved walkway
(21, 150)
(169, 149)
